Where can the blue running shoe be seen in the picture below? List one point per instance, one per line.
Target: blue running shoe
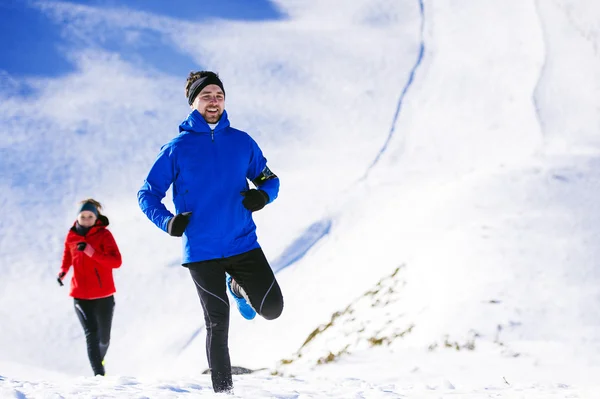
(243, 306)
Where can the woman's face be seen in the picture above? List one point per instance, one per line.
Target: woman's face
(86, 218)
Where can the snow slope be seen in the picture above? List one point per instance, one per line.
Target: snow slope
(457, 142)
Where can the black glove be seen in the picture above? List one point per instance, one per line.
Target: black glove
(254, 200)
(177, 224)
(81, 246)
(60, 277)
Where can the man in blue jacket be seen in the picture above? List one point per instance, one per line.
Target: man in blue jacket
(209, 164)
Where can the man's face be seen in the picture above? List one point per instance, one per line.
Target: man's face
(210, 102)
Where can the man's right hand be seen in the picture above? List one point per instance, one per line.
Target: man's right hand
(178, 223)
(60, 277)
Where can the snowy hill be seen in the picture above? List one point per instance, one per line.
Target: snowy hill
(439, 168)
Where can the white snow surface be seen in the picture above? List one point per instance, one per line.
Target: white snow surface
(440, 181)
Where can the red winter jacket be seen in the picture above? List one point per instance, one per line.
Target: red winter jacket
(92, 275)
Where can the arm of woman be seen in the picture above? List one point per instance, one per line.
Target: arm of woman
(66, 262)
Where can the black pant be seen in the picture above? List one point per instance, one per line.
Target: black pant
(96, 316)
(252, 272)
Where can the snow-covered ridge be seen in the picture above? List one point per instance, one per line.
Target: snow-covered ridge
(375, 318)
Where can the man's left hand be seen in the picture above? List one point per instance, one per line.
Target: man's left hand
(254, 200)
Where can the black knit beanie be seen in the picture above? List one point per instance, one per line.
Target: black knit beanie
(201, 83)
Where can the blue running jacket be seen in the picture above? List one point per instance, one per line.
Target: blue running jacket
(208, 170)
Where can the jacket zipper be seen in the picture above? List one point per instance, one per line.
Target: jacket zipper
(98, 275)
(215, 153)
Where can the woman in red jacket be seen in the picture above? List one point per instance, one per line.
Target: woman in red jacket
(92, 251)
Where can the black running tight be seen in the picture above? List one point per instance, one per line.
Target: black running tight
(252, 272)
(96, 316)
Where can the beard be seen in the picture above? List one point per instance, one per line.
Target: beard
(212, 117)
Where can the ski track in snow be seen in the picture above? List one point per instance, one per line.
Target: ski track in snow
(192, 338)
(534, 99)
(300, 247)
(318, 230)
(409, 83)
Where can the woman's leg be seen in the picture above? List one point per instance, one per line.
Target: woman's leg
(105, 308)
(85, 313)
(209, 278)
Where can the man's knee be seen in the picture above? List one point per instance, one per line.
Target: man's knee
(219, 326)
(273, 309)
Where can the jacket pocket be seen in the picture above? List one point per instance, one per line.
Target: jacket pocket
(180, 202)
(180, 192)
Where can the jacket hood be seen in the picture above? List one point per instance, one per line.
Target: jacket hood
(102, 221)
(195, 123)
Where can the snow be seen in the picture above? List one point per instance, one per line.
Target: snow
(435, 234)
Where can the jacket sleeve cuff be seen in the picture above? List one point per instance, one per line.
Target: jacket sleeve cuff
(89, 251)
